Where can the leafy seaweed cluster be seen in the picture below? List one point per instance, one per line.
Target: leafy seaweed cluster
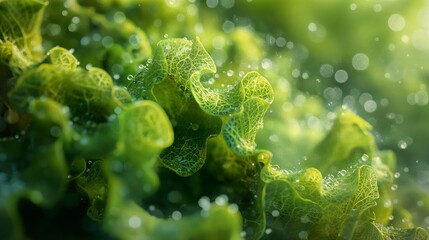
(169, 152)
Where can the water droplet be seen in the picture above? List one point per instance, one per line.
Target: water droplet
(221, 200)
(72, 27)
(119, 17)
(53, 30)
(312, 27)
(360, 61)
(305, 75)
(268, 231)
(327, 70)
(281, 42)
(296, 73)
(387, 203)
(341, 76)
(266, 63)
(397, 175)
(167, 47)
(55, 131)
(227, 3)
(228, 26)
(134, 40)
(107, 41)
(176, 215)
(333, 94)
(405, 39)
(204, 203)
(212, 3)
(370, 106)
(134, 221)
(275, 213)
(421, 98)
(402, 144)
(276, 167)
(342, 172)
(364, 157)
(130, 77)
(394, 187)
(75, 20)
(396, 22)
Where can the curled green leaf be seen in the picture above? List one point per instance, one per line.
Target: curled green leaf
(20, 39)
(62, 58)
(174, 79)
(349, 142)
(94, 183)
(239, 131)
(144, 131)
(88, 93)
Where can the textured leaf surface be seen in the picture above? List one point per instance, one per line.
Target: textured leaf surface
(174, 80)
(20, 39)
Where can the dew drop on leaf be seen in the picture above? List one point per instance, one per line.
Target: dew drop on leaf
(342, 173)
(275, 213)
